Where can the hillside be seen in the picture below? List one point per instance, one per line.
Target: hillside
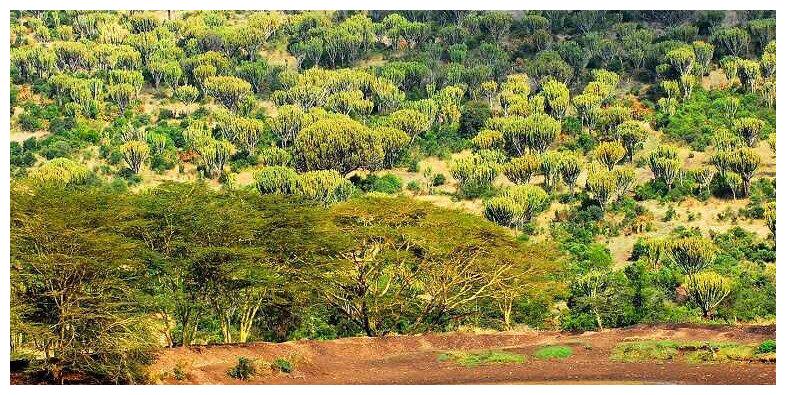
(196, 178)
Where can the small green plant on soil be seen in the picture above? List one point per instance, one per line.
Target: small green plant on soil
(244, 369)
(766, 347)
(553, 352)
(471, 359)
(179, 372)
(283, 365)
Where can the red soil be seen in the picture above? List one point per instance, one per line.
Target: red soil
(413, 360)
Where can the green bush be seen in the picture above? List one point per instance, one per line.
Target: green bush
(698, 118)
(388, 183)
(438, 180)
(766, 346)
(283, 365)
(244, 369)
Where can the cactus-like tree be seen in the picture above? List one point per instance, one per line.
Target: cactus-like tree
(609, 153)
(708, 290)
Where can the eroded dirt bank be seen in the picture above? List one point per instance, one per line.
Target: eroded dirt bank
(413, 360)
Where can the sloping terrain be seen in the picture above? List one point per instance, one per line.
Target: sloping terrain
(414, 360)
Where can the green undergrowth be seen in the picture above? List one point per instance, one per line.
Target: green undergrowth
(553, 352)
(695, 352)
(486, 357)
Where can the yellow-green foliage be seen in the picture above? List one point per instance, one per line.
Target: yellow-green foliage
(227, 90)
(474, 171)
(472, 359)
(691, 254)
(609, 153)
(393, 142)
(61, 171)
(602, 184)
(338, 143)
(708, 290)
(325, 186)
(570, 168)
(412, 122)
(489, 139)
(631, 134)
(516, 205)
(135, 153)
(520, 170)
(274, 156)
(276, 180)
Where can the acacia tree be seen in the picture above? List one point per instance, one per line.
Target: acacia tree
(73, 294)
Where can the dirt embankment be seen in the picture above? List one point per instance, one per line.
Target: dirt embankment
(413, 360)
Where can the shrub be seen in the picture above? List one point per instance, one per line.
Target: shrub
(244, 369)
(766, 346)
(283, 365)
(439, 180)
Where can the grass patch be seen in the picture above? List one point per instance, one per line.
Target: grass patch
(553, 352)
(691, 352)
(648, 350)
(472, 359)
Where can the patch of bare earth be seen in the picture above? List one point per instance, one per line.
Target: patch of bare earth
(413, 359)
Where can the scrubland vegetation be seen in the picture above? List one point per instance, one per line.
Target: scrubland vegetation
(186, 178)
